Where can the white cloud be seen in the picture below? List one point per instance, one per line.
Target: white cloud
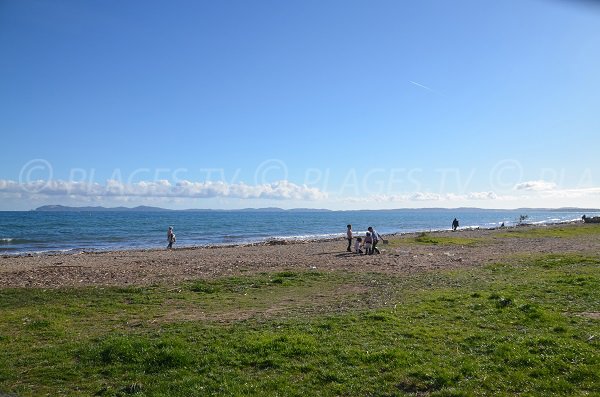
(419, 196)
(572, 193)
(281, 190)
(424, 196)
(482, 196)
(536, 185)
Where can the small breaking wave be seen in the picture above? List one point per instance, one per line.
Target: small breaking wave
(15, 240)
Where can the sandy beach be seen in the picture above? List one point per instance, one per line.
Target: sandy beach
(402, 255)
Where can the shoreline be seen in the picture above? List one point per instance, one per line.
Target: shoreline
(403, 255)
(279, 240)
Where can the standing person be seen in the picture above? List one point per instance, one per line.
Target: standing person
(376, 237)
(170, 237)
(349, 237)
(368, 244)
(454, 224)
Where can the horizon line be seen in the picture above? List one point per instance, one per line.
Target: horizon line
(59, 208)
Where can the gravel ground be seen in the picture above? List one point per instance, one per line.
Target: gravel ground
(122, 268)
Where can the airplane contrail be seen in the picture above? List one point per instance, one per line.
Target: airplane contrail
(423, 86)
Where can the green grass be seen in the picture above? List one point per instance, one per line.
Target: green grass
(504, 329)
(556, 231)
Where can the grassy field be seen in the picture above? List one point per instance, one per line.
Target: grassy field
(525, 327)
(556, 231)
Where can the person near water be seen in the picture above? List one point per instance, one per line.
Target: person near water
(376, 238)
(349, 237)
(455, 224)
(170, 237)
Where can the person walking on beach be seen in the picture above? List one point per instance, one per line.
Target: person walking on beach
(455, 224)
(376, 237)
(349, 237)
(170, 237)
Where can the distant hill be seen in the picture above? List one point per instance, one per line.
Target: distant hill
(64, 208)
(143, 208)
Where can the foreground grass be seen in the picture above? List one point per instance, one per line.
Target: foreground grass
(529, 328)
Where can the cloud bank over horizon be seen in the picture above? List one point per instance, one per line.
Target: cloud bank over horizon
(280, 190)
(537, 193)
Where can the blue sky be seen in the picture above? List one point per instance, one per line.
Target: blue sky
(325, 104)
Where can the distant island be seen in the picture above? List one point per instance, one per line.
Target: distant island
(64, 208)
(144, 208)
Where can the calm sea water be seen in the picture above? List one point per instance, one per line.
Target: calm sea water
(29, 232)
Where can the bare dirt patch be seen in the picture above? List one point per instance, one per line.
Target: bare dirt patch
(592, 315)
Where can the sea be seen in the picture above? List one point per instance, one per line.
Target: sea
(41, 232)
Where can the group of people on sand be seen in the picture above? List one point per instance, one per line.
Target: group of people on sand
(369, 243)
(371, 239)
